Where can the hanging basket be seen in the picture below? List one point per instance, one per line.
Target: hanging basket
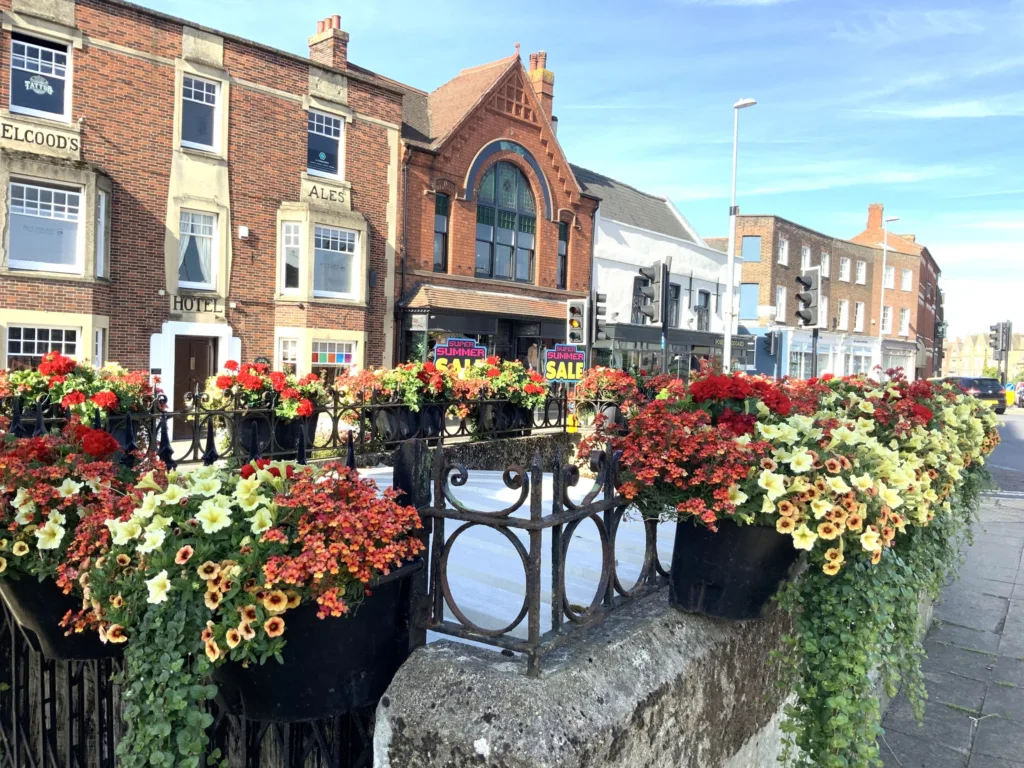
(331, 666)
(38, 607)
(731, 574)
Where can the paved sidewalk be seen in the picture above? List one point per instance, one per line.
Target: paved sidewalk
(974, 717)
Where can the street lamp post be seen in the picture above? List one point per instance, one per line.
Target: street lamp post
(885, 266)
(730, 274)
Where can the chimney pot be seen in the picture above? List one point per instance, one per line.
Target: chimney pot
(875, 213)
(533, 61)
(543, 81)
(542, 59)
(320, 26)
(330, 45)
(336, 21)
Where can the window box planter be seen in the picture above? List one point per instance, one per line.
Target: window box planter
(331, 666)
(38, 607)
(731, 574)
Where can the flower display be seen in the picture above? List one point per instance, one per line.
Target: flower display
(412, 384)
(255, 385)
(611, 385)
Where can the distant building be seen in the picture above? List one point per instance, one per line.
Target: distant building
(971, 355)
(635, 229)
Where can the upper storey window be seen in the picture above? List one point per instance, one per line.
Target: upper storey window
(200, 102)
(40, 77)
(506, 225)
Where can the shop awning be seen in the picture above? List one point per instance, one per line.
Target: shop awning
(440, 298)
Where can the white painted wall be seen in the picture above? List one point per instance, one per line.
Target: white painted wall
(621, 249)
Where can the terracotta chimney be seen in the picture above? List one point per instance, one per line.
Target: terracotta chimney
(875, 211)
(329, 46)
(543, 81)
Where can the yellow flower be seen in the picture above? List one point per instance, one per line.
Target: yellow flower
(3, 564)
(20, 548)
(152, 541)
(785, 525)
(889, 496)
(173, 495)
(158, 523)
(767, 507)
(206, 486)
(68, 488)
(838, 485)
(148, 507)
(801, 461)
(148, 482)
(862, 482)
(831, 569)
(49, 535)
(261, 521)
(804, 537)
(869, 540)
(866, 406)
(736, 496)
(213, 517)
(820, 508)
(773, 484)
(158, 587)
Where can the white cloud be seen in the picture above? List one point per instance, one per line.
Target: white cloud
(982, 283)
(899, 27)
(1010, 105)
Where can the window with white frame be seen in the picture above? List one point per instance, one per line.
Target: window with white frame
(197, 250)
(783, 251)
(858, 316)
(288, 355)
(904, 322)
(324, 144)
(780, 303)
(199, 107)
(27, 344)
(890, 277)
(823, 319)
(332, 359)
(844, 269)
(886, 319)
(805, 258)
(862, 272)
(45, 231)
(906, 280)
(291, 248)
(99, 347)
(826, 265)
(101, 234)
(40, 77)
(334, 262)
(844, 315)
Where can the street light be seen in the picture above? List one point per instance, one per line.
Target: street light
(885, 264)
(730, 277)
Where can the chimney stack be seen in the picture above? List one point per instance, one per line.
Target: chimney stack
(543, 81)
(329, 46)
(875, 212)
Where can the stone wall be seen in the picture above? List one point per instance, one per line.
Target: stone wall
(650, 687)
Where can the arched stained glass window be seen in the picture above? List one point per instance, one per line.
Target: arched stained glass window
(506, 225)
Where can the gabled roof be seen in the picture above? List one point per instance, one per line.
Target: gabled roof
(428, 119)
(898, 243)
(627, 205)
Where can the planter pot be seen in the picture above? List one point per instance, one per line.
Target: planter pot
(393, 424)
(521, 420)
(38, 607)
(429, 423)
(331, 666)
(492, 418)
(287, 433)
(731, 574)
(246, 426)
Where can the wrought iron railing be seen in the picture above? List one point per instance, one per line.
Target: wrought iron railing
(525, 524)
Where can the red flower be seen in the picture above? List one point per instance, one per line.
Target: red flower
(55, 380)
(105, 399)
(493, 371)
(493, 360)
(96, 442)
(225, 382)
(429, 367)
(290, 393)
(305, 408)
(250, 382)
(231, 365)
(73, 398)
(278, 380)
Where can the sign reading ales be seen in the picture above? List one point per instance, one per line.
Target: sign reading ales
(565, 364)
(458, 354)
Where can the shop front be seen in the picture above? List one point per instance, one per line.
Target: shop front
(635, 347)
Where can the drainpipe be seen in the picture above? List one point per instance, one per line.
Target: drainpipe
(405, 240)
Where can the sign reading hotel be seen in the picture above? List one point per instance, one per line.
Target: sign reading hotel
(458, 354)
(564, 364)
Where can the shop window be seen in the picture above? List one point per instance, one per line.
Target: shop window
(563, 254)
(196, 261)
(26, 345)
(323, 144)
(291, 246)
(40, 77)
(506, 225)
(334, 258)
(45, 227)
(288, 355)
(441, 218)
(332, 359)
(199, 113)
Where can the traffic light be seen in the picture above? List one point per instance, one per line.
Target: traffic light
(808, 286)
(1007, 336)
(770, 341)
(600, 316)
(652, 291)
(576, 321)
(995, 338)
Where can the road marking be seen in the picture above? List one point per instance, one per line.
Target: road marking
(1009, 469)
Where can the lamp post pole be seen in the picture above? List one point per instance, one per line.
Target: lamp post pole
(885, 266)
(730, 270)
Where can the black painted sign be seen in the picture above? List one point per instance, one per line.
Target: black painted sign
(186, 303)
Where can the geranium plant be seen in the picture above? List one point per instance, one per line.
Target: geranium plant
(412, 384)
(206, 566)
(607, 385)
(498, 379)
(256, 386)
(57, 380)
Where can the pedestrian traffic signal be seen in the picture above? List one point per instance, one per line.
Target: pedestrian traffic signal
(808, 286)
(600, 316)
(652, 291)
(576, 321)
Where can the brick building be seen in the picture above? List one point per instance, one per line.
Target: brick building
(910, 302)
(497, 229)
(172, 196)
(773, 250)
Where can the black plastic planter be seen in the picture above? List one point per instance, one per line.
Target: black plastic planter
(731, 574)
(331, 666)
(287, 432)
(394, 424)
(38, 607)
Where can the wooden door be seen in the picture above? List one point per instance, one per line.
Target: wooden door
(195, 360)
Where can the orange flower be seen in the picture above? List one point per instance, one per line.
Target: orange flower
(246, 631)
(831, 569)
(233, 638)
(274, 626)
(785, 525)
(845, 462)
(276, 601)
(213, 599)
(212, 650)
(786, 508)
(833, 555)
(223, 583)
(207, 634)
(115, 634)
(888, 533)
(294, 599)
(208, 571)
(828, 531)
(854, 522)
(184, 555)
(117, 601)
(248, 613)
(769, 464)
(123, 560)
(833, 466)
(876, 556)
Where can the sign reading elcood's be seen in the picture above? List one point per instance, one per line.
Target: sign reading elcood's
(28, 135)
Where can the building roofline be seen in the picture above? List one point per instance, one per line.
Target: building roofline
(361, 74)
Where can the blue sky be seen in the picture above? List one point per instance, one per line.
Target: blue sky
(918, 104)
